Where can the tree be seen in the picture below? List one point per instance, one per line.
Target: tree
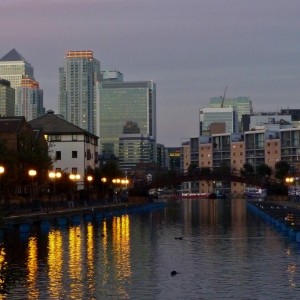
(281, 169)
(264, 170)
(224, 167)
(192, 169)
(247, 170)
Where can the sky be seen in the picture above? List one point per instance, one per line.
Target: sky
(191, 49)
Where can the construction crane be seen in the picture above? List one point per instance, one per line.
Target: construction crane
(222, 103)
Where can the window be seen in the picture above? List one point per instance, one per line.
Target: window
(88, 154)
(74, 154)
(58, 155)
(268, 144)
(233, 146)
(241, 146)
(74, 171)
(55, 137)
(233, 153)
(234, 161)
(275, 151)
(74, 137)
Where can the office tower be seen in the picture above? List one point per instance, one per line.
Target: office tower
(7, 99)
(243, 105)
(218, 120)
(115, 76)
(77, 82)
(122, 102)
(135, 147)
(14, 67)
(29, 99)
(28, 96)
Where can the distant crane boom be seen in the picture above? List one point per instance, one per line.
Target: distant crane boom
(222, 103)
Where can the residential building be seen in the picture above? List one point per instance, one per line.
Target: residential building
(7, 98)
(29, 99)
(21, 140)
(209, 116)
(19, 72)
(77, 88)
(73, 149)
(119, 103)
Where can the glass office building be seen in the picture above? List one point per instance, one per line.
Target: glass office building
(208, 116)
(7, 98)
(120, 103)
(14, 67)
(243, 105)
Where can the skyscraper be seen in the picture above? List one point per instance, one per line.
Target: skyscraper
(77, 81)
(29, 99)
(16, 69)
(121, 103)
(7, 98)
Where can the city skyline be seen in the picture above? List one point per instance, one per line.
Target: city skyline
(190, 49)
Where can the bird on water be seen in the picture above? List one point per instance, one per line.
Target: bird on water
(173, 273)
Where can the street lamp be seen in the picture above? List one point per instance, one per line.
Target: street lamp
(1, 171)
(74, 177)
(103, 182)
(53, 176)
(89, 179)
(32, 173)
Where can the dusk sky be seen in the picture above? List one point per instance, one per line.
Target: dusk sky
(192, 49)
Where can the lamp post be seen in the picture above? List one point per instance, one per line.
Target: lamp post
(74, 177)
(1, 171)
(53, 176)
(289, 181)
(89, 179)
(32, 173)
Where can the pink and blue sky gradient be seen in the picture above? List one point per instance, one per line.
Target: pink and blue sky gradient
(192, 49)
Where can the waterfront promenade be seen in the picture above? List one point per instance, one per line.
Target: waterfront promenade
(96, 208)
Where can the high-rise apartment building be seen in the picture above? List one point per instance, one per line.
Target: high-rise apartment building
(121, 103)
(19, 72)
(77, 82)
(7, 99)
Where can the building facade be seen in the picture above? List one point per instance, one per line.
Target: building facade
(19, 72)
(77, 83)
(7, 98)
(29, 99)
(119, 103)
(73, 149)
(210, 116)
(243, 105)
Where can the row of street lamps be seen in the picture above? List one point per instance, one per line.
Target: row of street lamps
(57, 175)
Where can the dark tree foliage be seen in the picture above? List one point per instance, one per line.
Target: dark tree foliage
(247, 170)
(282, 169)
(264, 170)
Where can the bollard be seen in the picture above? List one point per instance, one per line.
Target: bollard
(76, 220)
(298, 237)
(62, 221)
(24, 228)
(45, 225)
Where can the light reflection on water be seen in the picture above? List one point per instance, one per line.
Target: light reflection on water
(226, 252)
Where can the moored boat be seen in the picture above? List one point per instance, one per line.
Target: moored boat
(195, 195)
(255, 193)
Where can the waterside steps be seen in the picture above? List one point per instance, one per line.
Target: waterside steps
(65, 217)
(284, 217)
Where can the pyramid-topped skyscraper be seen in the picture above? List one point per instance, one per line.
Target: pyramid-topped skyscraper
(28, 95)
